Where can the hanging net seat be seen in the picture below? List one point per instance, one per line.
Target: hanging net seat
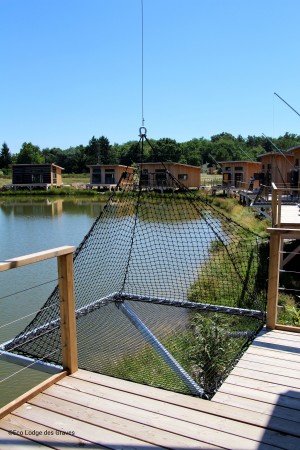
(168, 290)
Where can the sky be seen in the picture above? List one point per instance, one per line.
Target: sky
(73, 69)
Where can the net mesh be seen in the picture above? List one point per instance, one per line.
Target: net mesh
(168, 290)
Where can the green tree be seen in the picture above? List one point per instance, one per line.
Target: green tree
(30, 154)
(5, 157)
(166, 149)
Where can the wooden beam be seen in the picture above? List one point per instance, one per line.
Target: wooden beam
(274, 264)
(35, 257)
(31, 393)
(67, 312)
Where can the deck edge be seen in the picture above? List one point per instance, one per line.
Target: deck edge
(5, 410)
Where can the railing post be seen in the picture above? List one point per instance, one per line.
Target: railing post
(274, 265)
(274, 206)
(67, 312)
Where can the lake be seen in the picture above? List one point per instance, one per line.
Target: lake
(30, 225)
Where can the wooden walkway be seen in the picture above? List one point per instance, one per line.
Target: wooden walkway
(258, 407)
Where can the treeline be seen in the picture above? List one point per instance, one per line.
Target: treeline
(197, 151)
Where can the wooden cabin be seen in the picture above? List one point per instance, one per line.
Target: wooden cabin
(34, 176)
(107, 176)
(241, 174)
(294, 171)
(276, 168)
(154, 175)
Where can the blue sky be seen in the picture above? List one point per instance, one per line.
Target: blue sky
(71, 69)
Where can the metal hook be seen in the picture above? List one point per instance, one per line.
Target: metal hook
(143, 132)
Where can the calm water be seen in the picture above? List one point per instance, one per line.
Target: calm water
(31, 225)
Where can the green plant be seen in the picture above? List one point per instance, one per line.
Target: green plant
(212, 351)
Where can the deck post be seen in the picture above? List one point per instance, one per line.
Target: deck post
(67, 312)
(274, 266)
(274, 206)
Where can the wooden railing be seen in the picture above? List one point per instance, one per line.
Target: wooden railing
(277, 236)
(64, 257)
(280, 195)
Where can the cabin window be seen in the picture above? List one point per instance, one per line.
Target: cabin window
(109, 176)
(297, 162)
(239, 168)
(160, 175)
(228, 169)
(269, 166)
(37, 176)
(182, 176)
(96, 176)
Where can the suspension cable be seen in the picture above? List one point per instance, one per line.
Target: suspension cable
(142, 19)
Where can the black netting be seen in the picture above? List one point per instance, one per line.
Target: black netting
(163, 265)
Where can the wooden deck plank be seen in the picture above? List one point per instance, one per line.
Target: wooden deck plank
(139, 433)
(278, 344)
(254, 405)
(83, 430)
(172, 398)
(289, 383)
(15, 442)
(289, 403)
(160, 415)
(271, 360)
(273, 353)
(263, 386)
(289, 374)
(43, 434)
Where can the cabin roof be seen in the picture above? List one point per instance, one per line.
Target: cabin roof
(109, 165)
(274, 154)
(169, 163)
(290, 150)
(38, 165)
(240, 162)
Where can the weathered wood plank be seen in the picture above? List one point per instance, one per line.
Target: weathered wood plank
(170, 405)
(82, 429)
(265, 397)
(272, 353)
(192, 419)
(264, 386)
(272, 362)
(42, 434)
(261, 367)
(288, 383)
(15, 442)
(31, 393)
(139, 433)
(284, 341)
(254, 405)
(35, 257)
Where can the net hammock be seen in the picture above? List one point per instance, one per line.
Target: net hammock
(168, 290)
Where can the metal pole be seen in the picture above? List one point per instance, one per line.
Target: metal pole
(160, 349)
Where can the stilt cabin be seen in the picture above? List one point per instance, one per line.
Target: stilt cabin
(276, 168)
(294, 171)
(107, 176)
(155, 175)
(34, 176)
(241, 174)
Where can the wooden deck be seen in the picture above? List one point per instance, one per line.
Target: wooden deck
(258, 407)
